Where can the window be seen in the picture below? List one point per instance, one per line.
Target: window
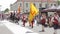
(40, 5)
(51, 4)
(20, 4)
(34, 4)
(46, 5)
(26, 10)
(26, 4)
(54, 4)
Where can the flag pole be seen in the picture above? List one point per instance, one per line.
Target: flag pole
(23, 5)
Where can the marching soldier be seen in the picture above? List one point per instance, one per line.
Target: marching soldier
(55, 22)
(32, 22)
(43, 21)
(50, 23)
(24, 20)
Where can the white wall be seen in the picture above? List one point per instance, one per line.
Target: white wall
(15, 6)
(50, 13)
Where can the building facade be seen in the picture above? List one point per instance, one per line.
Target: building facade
(25, 4)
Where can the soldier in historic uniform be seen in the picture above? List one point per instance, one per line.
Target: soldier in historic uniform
(43, 21)
(24, 20)
(32, 22)
(55, 22)
(50, 23)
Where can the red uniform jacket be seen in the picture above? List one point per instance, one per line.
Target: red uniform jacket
(55, 21)
(43, 21)
(24, 19)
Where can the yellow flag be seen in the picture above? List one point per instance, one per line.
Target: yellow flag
(33, 12)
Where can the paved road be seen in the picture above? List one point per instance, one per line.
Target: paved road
(37, 29)
(4, 29)
(17, 29)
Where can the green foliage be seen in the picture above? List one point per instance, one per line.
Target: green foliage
(58, 2)
(6, 10)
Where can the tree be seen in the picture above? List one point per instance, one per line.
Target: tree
(6, 10)
(58, 2)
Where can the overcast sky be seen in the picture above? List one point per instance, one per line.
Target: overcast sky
(6, 4)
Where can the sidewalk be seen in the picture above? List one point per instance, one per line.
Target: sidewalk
(16, 29)
(4, 29)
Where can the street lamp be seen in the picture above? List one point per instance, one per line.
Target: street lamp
(23, 5)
